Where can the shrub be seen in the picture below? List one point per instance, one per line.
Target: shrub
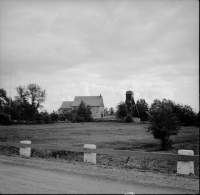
(129, 119)
(74, 120)
(54, 117)
(79, 119)
(47, 119)
(4, 119)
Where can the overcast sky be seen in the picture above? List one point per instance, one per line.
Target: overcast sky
(92, 47)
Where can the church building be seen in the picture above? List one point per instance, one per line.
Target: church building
(95, 102)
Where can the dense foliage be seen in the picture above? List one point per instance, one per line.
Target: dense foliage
(142, 106)
(24, 108)
(26, 105)
(5, 119)
(30, 99)
(163, 122)
(83, 113)
(184, 113)
(121, 111)
(128, 119)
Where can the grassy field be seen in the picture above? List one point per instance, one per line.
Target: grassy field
(108, 135)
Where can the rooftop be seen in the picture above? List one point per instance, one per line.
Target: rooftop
(89, 100)
(66, 104)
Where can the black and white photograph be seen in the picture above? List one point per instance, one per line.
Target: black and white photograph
(99, 97)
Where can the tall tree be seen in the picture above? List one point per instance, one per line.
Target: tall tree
(4, 100)
(142, 106)
(163, 122)
(185, 114)
(111, 111)
(83, 113)
(30, 99)
(121, 111)
(36, 95)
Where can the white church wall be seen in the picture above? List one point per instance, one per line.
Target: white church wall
(96, 112)
(101, 110)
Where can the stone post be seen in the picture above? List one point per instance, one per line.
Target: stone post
(90, 157)
(26, 151)
(184, 167)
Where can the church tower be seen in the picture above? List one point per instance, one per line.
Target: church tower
(130, 103)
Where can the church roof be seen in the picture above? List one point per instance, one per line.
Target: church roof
(89, 100)
(66, 104)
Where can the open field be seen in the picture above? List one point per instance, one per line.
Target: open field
(108, 135)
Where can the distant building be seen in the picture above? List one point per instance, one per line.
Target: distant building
(95, 102)
(66, 106)
(131, 105)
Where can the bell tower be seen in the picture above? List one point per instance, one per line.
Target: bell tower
(130, 103)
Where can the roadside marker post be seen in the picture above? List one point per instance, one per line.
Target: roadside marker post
(27, 150)
(185, 167)
(185, 158)
(90, 157)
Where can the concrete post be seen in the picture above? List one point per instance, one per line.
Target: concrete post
(27, 150)
(184, 167)
(90, 157)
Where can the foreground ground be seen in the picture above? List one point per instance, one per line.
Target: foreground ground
(22, 175)
(108, 135)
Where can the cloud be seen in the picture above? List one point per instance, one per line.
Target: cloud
(91, 47)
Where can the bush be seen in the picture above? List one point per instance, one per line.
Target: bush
(129, 119)
(79, 119)
(74, 120)
(39, 122)
(54, 117)
(47, 119)
(4, 119)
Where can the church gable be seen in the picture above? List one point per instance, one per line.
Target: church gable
(95, 102)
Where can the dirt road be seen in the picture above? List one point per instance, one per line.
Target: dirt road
(21, 175)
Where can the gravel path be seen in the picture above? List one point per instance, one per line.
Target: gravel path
(35, 175)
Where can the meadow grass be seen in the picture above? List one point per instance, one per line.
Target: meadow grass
(108, 135)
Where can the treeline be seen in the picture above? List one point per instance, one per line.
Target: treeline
(24, 108)
(184, 113)
(83, 113)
